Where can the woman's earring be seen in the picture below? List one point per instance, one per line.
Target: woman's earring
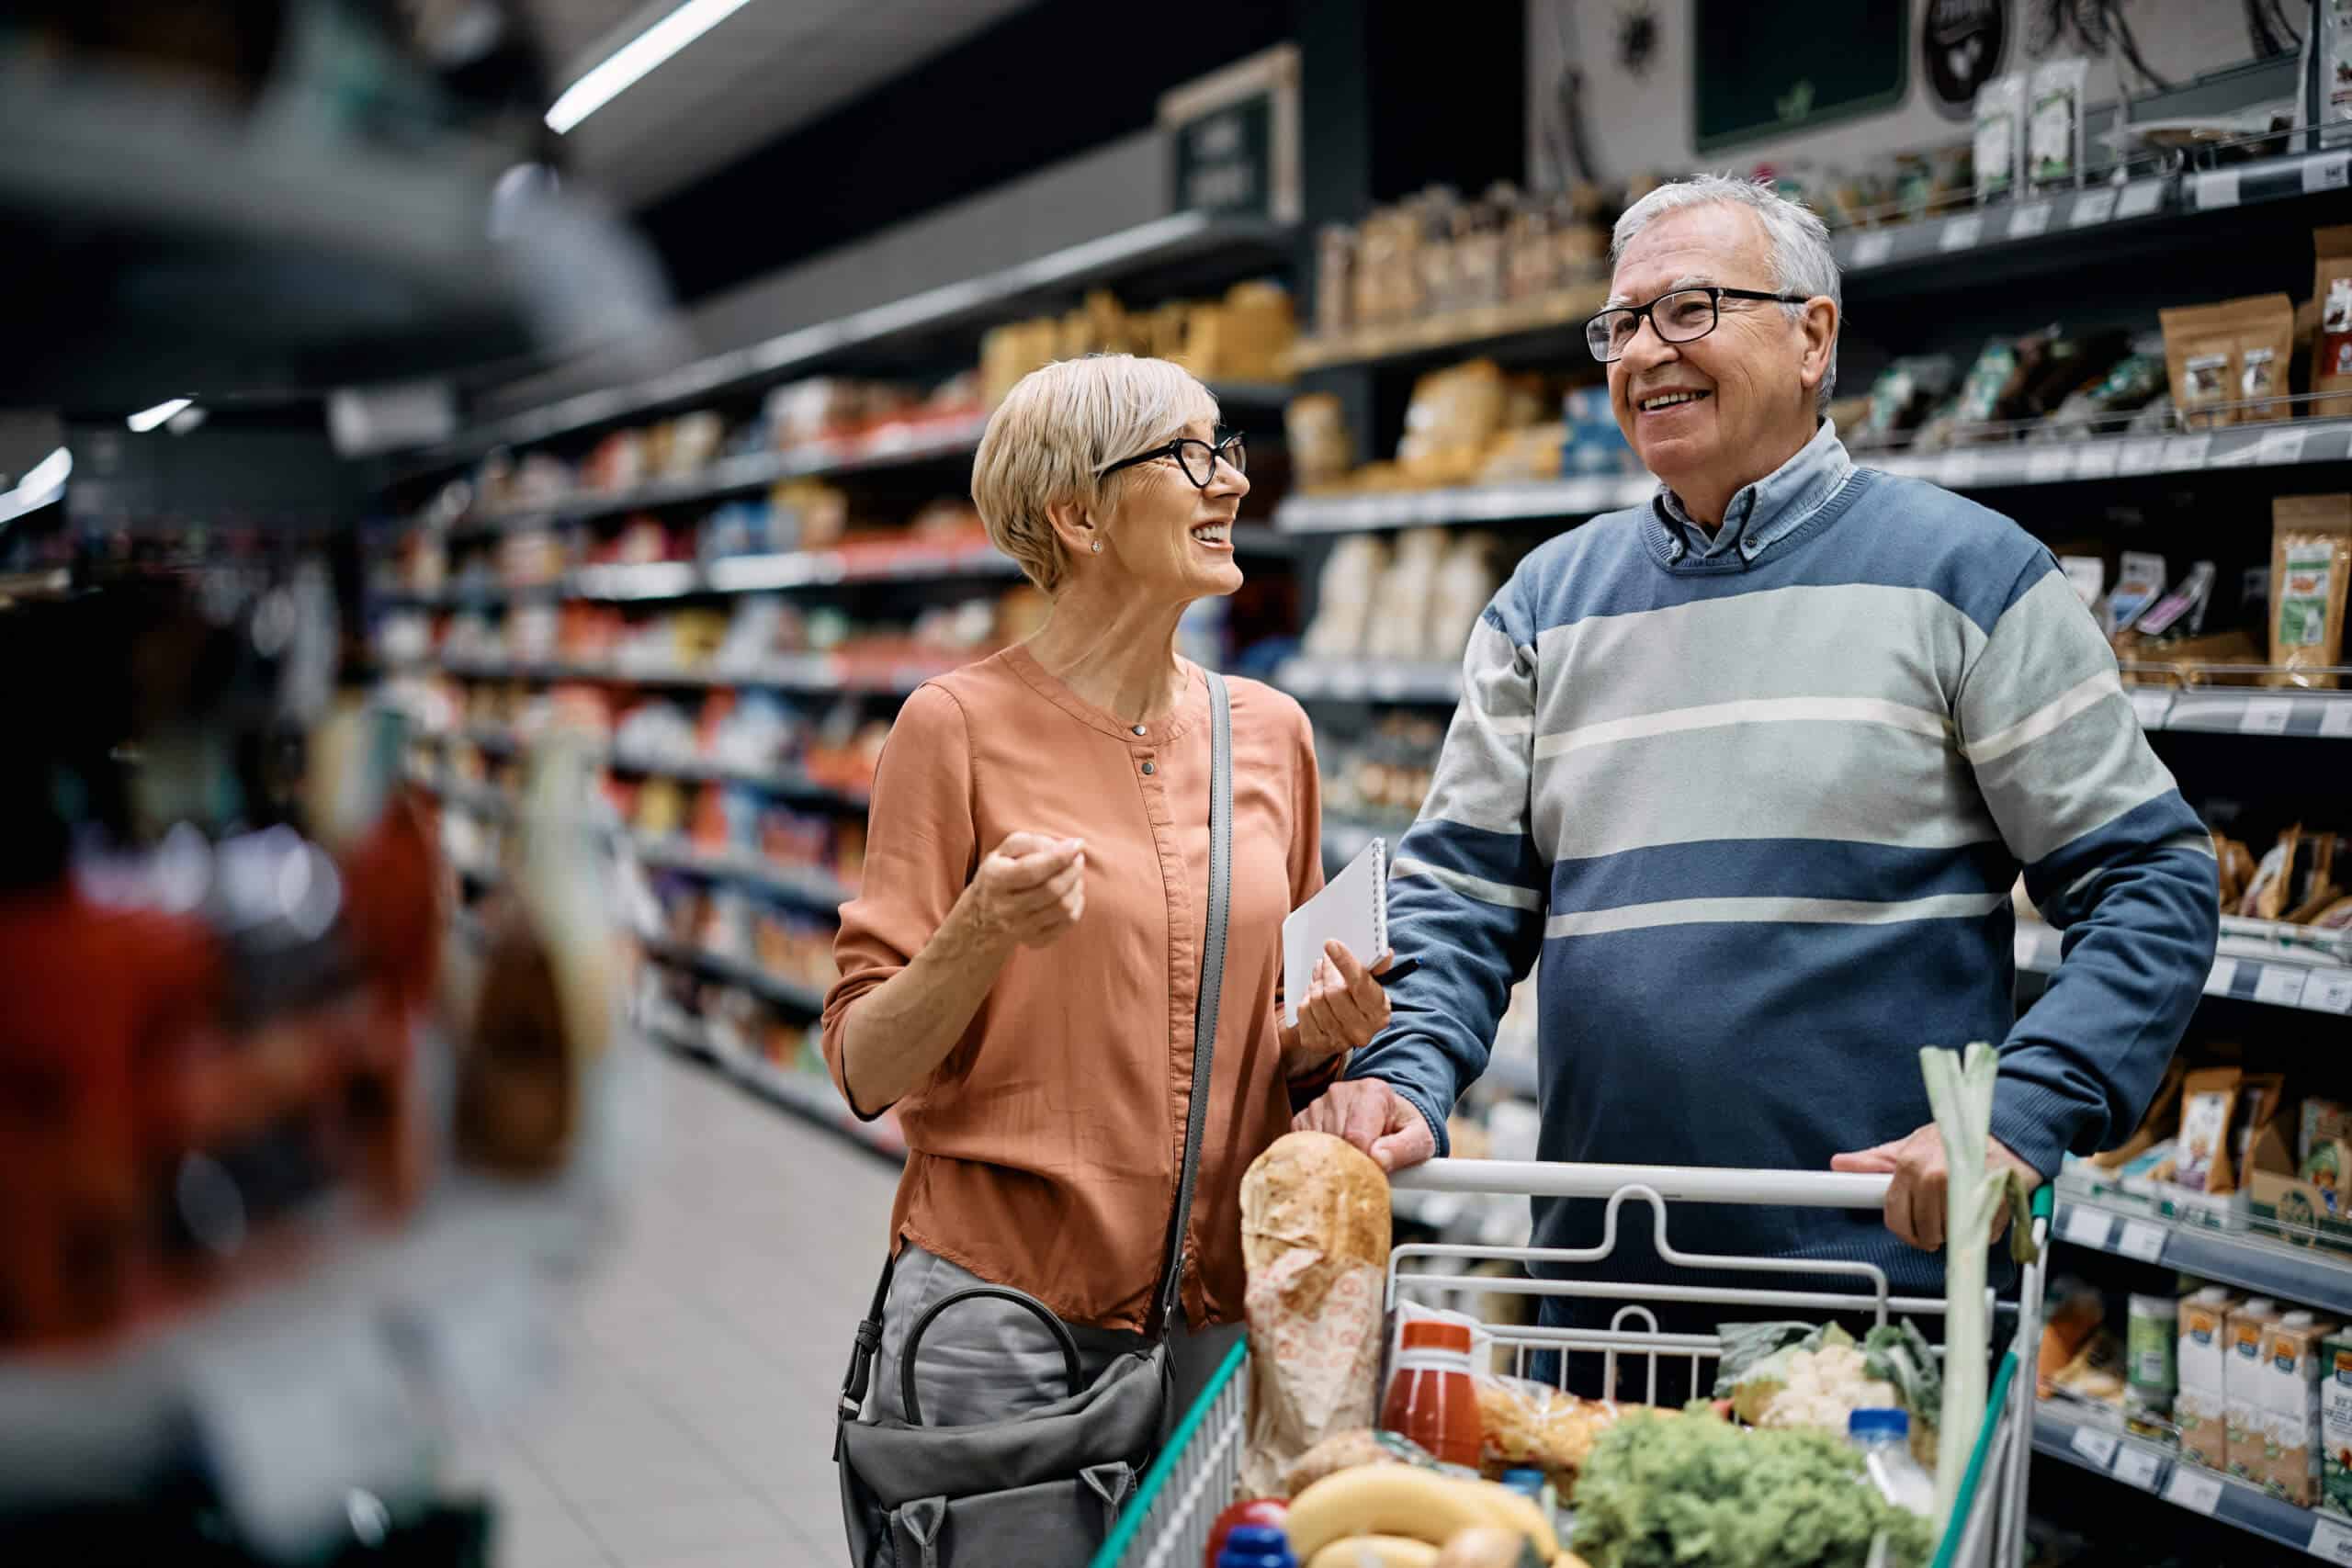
(1098, 546)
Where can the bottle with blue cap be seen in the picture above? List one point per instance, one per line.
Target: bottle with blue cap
(1883, 1438)
(1256, 1546)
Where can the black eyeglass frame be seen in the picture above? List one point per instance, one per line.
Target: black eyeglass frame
(1217, 451)
(1716, 295)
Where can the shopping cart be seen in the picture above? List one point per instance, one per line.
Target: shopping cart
(1167, 1524)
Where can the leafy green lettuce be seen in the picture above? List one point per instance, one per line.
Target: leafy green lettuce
(1672, 1492)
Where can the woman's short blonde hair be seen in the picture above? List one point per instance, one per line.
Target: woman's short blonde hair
(1058, 426)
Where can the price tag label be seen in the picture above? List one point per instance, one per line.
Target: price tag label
(2280, 986)
(2093, 206)
(2327, 172)
(1961, 233)
(2217, 190)
(1873, 249)
(2225, 976)
(2096, 459)
(2086, 1226)
(2027, 222)
(2140, 198)
(2335, 719)
(2266, 716)
(2198, 1491)
(2048, 465)
(2142, 1239)
(2328, 993)
(2151, 709)
(2143, 455)
(1957, 472)
(2331, 1541)
(2138, 1467)
(2187, 451)
(2279, 447)
(2096, 1445)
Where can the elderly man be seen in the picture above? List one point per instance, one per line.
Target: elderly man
(1752, 768)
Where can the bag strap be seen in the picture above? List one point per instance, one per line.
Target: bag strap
(1212, 984)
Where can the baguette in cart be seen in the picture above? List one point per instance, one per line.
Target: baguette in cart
(1393, 1511)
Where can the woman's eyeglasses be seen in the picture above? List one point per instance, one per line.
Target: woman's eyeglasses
(1196, 457)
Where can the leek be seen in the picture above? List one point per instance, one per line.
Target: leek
(1960, 1090)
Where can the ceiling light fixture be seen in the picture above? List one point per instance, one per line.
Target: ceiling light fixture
(622, 69)
(42, 483)
(146, 419)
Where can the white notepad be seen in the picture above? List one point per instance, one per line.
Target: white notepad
(1352, 908)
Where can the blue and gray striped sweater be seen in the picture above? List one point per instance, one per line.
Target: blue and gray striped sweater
(1757, 802)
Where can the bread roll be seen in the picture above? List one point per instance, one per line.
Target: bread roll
(1311, 1190)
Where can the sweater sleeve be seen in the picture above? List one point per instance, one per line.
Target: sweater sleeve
(1467, 894)
(918, 858)
(2114, 858)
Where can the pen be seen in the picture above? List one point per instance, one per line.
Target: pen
(1399, 970)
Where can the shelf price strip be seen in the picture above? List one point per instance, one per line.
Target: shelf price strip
(2193, 1490)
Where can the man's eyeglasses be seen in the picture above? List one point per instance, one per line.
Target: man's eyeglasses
(1196, 458)
(1681, 315)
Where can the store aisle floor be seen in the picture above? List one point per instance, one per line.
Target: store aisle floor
(692, 1425)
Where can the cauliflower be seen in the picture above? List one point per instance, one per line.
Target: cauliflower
(1823, 1388)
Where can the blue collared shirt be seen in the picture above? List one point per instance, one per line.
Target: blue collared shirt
(1762, 514)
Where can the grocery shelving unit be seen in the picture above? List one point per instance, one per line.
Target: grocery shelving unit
(925, 335)
(2065, 1434)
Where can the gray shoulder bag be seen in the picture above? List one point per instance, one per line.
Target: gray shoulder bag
(1042, 1489)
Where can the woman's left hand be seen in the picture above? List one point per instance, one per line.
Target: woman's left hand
(1345, 1007)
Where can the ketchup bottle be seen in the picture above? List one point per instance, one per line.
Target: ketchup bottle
(1431, 1398)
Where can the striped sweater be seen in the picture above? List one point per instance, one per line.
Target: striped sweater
(1757, 800)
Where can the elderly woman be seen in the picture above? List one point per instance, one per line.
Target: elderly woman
(1019, 973)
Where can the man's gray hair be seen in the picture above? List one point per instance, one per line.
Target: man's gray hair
(1802, 262)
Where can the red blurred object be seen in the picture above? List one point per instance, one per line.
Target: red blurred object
(1431, 1397)
(1252, 1511)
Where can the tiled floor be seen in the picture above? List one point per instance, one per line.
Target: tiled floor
(693, 1427)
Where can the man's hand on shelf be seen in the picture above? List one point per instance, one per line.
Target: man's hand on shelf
(1915, 1200)
(1375, 1119)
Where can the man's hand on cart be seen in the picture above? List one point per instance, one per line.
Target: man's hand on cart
(1914, 1199)
(1375, 1119)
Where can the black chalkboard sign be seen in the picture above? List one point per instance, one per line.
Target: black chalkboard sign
(1763, 68)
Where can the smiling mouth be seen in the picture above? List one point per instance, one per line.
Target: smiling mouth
(1663, 401)
(1217, 534)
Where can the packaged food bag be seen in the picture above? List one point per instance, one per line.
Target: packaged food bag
(2311, 561)
(1315, 1229)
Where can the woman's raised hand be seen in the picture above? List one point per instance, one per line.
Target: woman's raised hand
(1030, 890)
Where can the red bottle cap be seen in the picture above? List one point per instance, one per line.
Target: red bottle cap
(1436, 1334)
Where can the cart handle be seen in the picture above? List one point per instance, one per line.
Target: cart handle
(1676, 1183)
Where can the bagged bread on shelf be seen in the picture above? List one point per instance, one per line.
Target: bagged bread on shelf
(1401, 627)
(1314, 1228)
(2223, 356)
(2310, 563)
(1321, 449)
(2332, 344)
(1355, 567)
(1465, 584)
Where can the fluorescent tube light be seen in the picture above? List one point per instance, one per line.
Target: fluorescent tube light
(622, 69)
(42, 483)
(146, 419)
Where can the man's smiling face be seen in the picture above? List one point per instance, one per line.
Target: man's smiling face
(1701, 414)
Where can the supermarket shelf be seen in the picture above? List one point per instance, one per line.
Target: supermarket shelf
(2246, 712)
(1368, 680)
(737, 972)
(1476, 503)
(804, 672)
(500, 740)
(2155, 1470)
(1523, 322)
(801, 1092)
(653, 581)
(2277, 982)
(2276, 444)
(800, 885)
(2255, 1263)
(1178, 239)
(925, 441)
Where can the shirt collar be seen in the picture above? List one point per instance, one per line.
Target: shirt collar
(1763, 513)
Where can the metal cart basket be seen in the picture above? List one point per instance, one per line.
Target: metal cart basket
(1167, 1524)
